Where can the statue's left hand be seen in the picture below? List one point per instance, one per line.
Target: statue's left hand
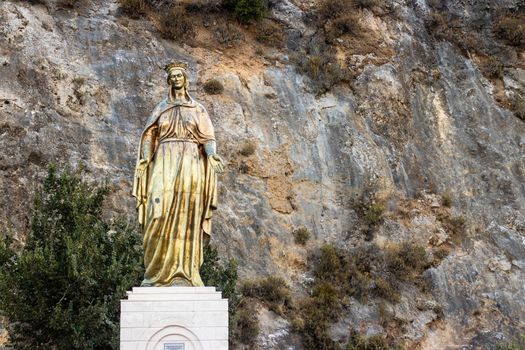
(216, 163)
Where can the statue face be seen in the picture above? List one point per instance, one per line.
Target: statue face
(177, 79)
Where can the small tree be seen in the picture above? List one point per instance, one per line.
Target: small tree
(63, 289)
(224, 277)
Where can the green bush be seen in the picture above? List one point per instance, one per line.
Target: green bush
(328, 264)
(63, 289)
(248, 10)
(301, 235)
(244, 325)
(222, 276)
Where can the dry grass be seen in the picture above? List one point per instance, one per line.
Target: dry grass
(270, 33)
(228, 35)
(176, 25)
(511, 29)
(248, 148)
(518, 107)
(133, 8)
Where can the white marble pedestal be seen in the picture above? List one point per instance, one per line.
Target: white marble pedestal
(174, 318)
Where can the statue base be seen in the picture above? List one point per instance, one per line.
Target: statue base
(174, 318)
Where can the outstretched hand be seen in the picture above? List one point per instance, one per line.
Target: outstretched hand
(216, 163)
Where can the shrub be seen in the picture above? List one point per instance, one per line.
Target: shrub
(347, 24)
(320, 64)
(511, 29)
(228, 35)
(132, 8)
(518, 107)
(224, 277)
(273, 291)
(517, 344)
(63, 289)
(374, 214)
(328, 263)
(69, 3)
(248, 148)
(407, 261)
(369, 3)
(365, 271)
(375, 342)
(312, 322)
(436, 4)
(270, 33)
(331, 9)
(248, 10)
(213, 87)
(457, 225)
(446, 200)
(176, 25)
(384, 289)
(244, 324)
(492, 68)
(301, 235)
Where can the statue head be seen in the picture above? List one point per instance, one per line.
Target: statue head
(177, 75)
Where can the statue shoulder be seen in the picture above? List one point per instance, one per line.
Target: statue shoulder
(200, 107)
(160, 106)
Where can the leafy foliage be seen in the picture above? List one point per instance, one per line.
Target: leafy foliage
(243, 322)
(246, 10)
(64, 289)
(224, 277)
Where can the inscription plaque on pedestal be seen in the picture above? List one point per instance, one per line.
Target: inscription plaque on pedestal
(174, 318)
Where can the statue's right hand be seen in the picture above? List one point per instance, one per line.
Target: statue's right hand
(143, 165)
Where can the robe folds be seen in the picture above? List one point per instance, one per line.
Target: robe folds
(176, 193)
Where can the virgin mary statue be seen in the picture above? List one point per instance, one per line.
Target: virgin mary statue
(175, 185)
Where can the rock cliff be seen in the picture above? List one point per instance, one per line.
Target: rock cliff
(419, 123)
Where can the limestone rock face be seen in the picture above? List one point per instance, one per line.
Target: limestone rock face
(78, 85)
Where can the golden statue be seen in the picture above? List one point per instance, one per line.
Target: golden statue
(176, 185)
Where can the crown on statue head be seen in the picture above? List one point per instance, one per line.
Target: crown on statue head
(176, 65)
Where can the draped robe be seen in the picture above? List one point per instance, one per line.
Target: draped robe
(176, 194)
